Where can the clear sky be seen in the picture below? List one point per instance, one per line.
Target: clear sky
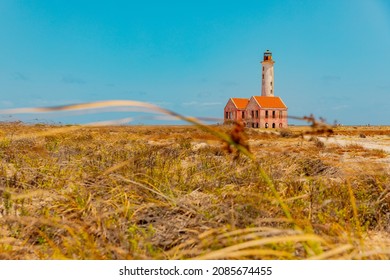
(332, 57)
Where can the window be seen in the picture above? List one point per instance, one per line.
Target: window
(266, 125)
(280, 114)
(263, 76)
(257, 125)
(253, 125)
(226, 115)
(257, 113)
(243, 114)
(253, 114)
(270, 84)
(263, 68)
(273, 125)
(273, 114)
(266, 114)
(280, 125)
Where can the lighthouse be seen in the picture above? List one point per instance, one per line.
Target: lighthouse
(267, 79)
(264, 111)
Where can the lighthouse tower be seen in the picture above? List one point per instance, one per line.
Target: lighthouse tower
(267, 85)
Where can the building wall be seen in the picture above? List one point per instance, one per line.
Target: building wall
(274, 118)
(258, 117)
(233, 114)
(253, 114)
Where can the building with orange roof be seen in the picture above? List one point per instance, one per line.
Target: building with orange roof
(265, 111)
(235, 109)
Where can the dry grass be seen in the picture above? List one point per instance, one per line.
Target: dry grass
(201, 192)
(123, 192)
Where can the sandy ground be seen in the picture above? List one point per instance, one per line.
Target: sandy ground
(376, 142)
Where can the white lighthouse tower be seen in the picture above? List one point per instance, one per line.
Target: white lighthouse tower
(267, 85)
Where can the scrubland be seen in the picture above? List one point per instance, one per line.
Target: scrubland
(175, 192)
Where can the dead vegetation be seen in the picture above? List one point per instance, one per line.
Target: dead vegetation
(175, 192)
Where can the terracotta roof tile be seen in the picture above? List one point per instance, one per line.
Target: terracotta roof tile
(270, 102)
(240, 103)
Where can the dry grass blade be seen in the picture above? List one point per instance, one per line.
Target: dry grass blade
(318, 127)
(115, 167)
(379, 254)
(264, 230)
(111, 122)
(30, 194)
(85, 106)
(234, 249)
(153, 190)
(284, 206)
(264, 253)
(334, 252)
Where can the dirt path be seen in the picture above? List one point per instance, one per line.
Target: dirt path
(368, 143)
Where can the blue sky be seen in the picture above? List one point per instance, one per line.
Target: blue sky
(332, 57)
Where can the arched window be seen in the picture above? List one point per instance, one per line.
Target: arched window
(280, 125)
(273, 125)
(266, 125)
